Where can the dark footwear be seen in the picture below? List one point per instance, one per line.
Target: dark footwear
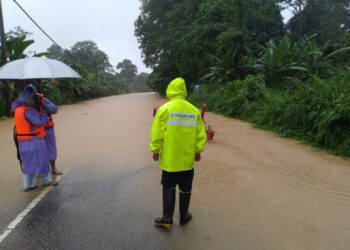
(51, 183)
(185, 219)
(168, 208)
(160, 222)
(185, 216)
(56, 172)
(29, 188)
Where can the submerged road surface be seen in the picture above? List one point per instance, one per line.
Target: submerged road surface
(252, 189)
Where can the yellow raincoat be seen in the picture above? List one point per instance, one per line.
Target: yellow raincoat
(178, 130)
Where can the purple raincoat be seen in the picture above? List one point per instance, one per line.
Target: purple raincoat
(50, 109)
(34, 153)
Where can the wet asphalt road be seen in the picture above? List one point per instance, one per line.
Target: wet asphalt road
(88, 213)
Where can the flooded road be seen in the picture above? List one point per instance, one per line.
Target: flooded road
(252, 189)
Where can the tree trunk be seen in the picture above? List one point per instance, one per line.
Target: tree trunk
(9, 96)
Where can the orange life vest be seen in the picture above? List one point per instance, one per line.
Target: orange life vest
(50, 123)
(24, 131)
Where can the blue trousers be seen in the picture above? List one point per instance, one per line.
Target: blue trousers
(29, 179)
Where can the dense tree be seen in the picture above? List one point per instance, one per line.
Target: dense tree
(57, 53)
(295, 6)
(178, 37)
(329, 19)
(128, 80)
(127, 70)
(126, 75)
(139, 84)
(88, 55)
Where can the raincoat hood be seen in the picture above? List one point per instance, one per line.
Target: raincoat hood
(176, 89)
(27, 94)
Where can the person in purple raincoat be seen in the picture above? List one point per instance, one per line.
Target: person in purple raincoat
(30, 135)
(50, 109)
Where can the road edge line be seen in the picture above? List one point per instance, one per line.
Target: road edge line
(31, 205)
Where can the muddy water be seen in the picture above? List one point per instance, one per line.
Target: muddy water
(252, 189)
(285, 195)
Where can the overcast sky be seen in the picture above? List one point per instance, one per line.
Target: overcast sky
(109, 23)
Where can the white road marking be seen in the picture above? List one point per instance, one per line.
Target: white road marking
(19, 218)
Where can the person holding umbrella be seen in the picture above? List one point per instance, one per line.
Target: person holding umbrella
(30, 135)
(50, 109)
(29, 131)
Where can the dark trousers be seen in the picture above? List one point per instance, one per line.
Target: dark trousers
(183, 179)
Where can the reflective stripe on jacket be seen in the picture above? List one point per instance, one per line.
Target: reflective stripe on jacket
(24, 130)
(178, 131)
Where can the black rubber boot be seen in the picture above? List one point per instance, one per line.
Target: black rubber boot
(185, 216)
(168, 208)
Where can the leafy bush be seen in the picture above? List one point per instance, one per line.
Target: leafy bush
(316, 112)
(234, 98)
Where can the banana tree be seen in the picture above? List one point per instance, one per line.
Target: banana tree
(16, 44)
(233, 65)
(287, 59)
(295, 59)
(16, 47)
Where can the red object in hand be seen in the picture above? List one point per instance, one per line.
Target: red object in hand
(210, 133)
(155, 111)
(41, 98)
(197, 157)
(203, 110)
(208, 129)
(155, 157)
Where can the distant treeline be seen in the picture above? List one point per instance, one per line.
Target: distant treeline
(99, 78)
(292, 78)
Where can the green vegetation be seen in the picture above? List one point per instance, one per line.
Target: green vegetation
(291, 78)
(99, 78)
(317, 113)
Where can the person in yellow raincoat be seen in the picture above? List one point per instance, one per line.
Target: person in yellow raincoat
(177, 138)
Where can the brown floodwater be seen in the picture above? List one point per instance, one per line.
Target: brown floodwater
(252, 189)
